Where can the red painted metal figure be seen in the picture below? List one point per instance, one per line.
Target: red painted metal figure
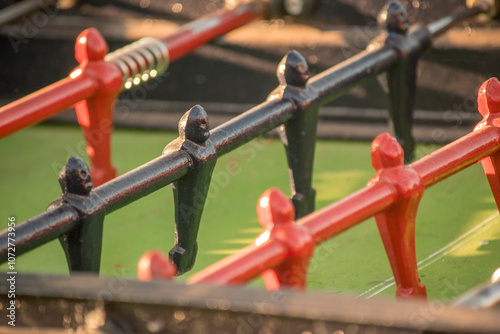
(154, 265)
(397, 223)
(488, 102)
(95, 114)
(276, 214)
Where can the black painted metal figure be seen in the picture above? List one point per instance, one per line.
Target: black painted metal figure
(293, 74)
(191, 190)
(83, 244)
(299, 133)
(75, 178)
(293, 70)
(394, 18)
(402, 78)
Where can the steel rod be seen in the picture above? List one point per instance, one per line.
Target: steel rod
(354, 209)
(442, 25)
(251, 261)
(38, 230)
(143, 180)
(251, 124)
(191, 35)
(338, 79)
(44, 103)
(482, 297)
(20, 9)
(458, 155)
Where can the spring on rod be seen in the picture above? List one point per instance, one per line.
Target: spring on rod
(141, 60)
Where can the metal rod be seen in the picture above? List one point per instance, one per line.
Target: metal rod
(20, 9)
(338, 79)
(251, 124)
(342, 215)
(191, 35)
(44, 103)
(251, 261)
(143, 180)
(39, 230)
(485, 296)
(458, 155)
(442, 25)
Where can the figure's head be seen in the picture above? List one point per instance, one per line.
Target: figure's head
(386, 152)
(194, 125)
(293, 70)
(488, 97)
(274, 209)
(90, 46)
(75, 177)
(394, 17)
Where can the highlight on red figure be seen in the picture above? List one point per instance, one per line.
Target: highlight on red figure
(153, 265)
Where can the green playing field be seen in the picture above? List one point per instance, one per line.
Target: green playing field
(458, 231)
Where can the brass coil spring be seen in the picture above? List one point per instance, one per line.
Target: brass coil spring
(140, 61)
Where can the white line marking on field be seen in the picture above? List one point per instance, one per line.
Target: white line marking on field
(436, 255)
